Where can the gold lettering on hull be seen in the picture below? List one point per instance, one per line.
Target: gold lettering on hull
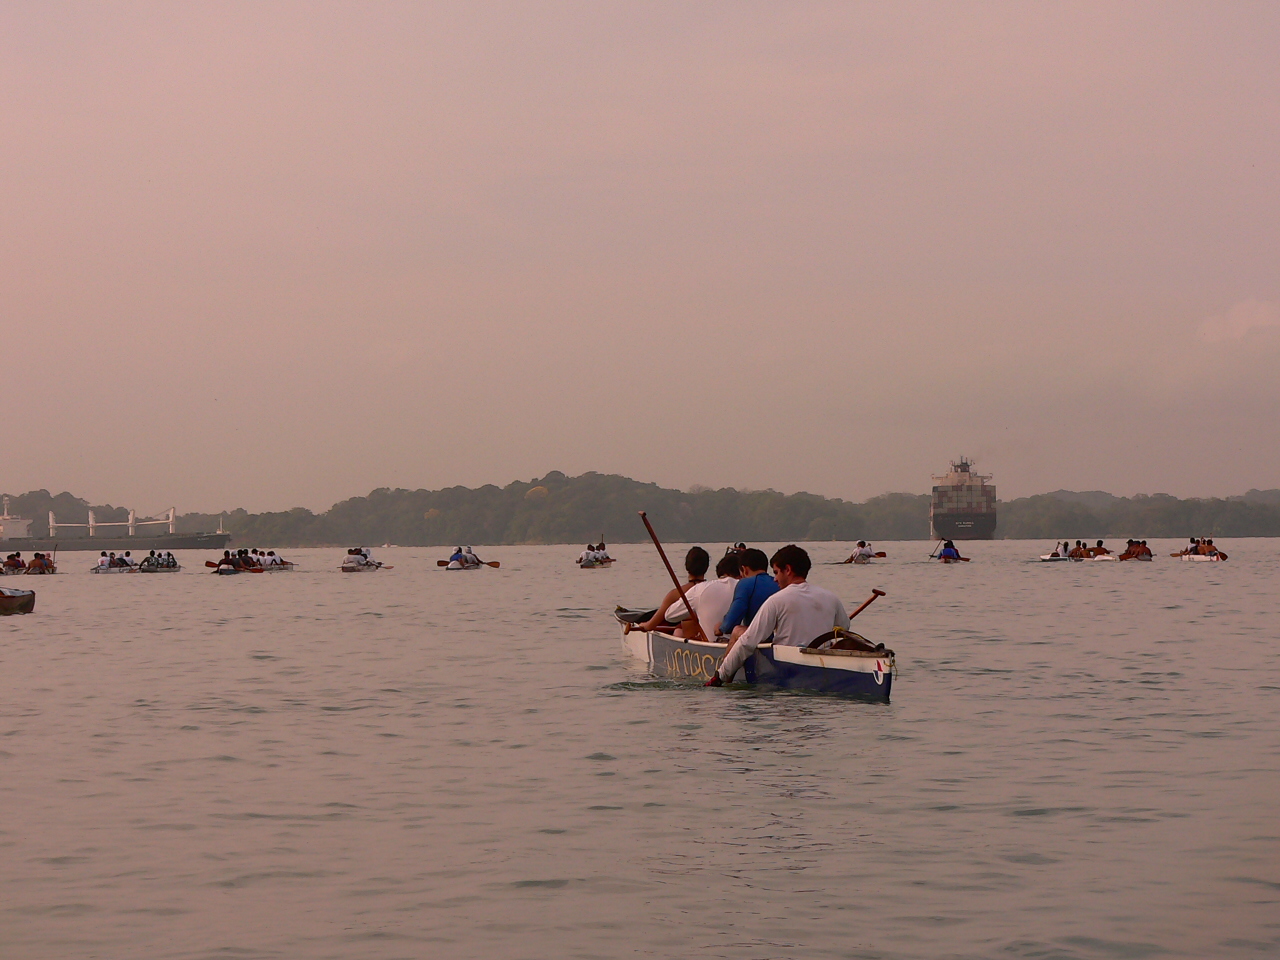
(686, 662)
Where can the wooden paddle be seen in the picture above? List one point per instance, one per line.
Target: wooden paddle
(444, 563)
(870, 600)
(698, 633)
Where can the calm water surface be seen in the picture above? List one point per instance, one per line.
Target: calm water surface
(1080, 762)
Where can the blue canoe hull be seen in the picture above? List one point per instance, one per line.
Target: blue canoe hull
(867, 676)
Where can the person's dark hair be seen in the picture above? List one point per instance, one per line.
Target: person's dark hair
(728, 566)
(753, 559)
(794, 557)
(696, 562)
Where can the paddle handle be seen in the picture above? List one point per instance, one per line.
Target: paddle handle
(869, 602)
(697, 626)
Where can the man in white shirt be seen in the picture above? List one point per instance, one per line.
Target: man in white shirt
(711, 599)
(795, 615)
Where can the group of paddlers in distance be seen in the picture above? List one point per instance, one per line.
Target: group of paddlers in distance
(1200, 547)
(153, 561)
(1133, 550)
(254, 559)
(40, 563)
(596, 555)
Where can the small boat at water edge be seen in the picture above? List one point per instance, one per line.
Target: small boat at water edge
(865, 674)
(13, 600)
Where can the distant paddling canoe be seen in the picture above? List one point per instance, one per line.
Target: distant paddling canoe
(152, 568)
(13, 600)
(286, 566)
(361, 567)
(1050, 558)
(864, 674)
(1201, 558)
(113, 569)
(592, 564)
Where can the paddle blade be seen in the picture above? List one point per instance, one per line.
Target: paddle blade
(493, 563)
(882, 554)
(210, 563)
(442, 563)
(254, 570)
(386, 566)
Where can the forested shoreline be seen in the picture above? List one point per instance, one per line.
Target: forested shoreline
(593, 506)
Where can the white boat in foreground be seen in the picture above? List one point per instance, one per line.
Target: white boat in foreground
(865, 674)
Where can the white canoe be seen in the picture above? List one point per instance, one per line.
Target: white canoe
(113, 569)
(1050, 558)
(361, 567)
(459, 565)
(1199, 558)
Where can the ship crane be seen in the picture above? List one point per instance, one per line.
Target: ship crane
(132, 523)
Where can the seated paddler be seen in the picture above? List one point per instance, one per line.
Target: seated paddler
(710, 599)
(794, 616)
(696, 562)
(753, 588)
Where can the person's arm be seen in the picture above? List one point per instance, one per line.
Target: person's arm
(762, 627)
(660, 617)
(737, 611)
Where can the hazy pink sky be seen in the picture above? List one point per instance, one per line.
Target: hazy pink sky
(271, 254)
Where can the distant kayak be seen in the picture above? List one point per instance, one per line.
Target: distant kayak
(592, 564)
(1050, 558)
(459, 565)
(1201, 558)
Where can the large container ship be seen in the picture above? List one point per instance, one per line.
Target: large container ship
(963, 505)
(15, 535)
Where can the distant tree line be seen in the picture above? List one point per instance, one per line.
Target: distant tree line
(561, 509)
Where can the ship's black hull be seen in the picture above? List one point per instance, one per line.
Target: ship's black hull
(165, 541)
(964, 526)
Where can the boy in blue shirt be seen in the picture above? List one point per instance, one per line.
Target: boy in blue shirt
(754, 587)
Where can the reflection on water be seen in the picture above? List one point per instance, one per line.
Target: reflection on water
(1080, 761)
